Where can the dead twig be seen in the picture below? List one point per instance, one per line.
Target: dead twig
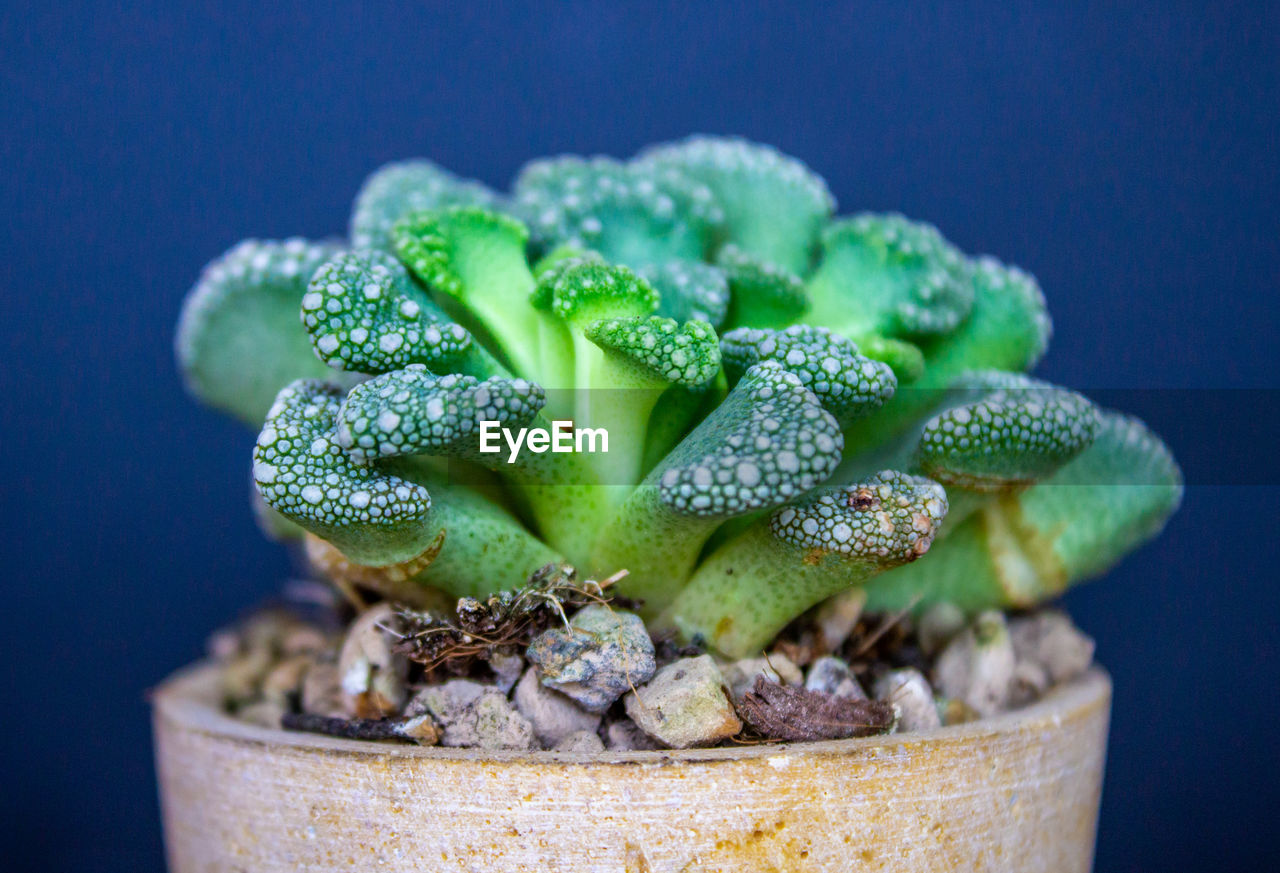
(402, 729)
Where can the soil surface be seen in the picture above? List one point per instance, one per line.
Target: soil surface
(563, 665)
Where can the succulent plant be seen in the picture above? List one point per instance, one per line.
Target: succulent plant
(763, 405)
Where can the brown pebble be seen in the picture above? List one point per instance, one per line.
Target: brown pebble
(321, 692)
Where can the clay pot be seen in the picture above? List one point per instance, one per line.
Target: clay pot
(1018, 792)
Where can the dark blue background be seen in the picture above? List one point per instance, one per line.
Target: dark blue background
(1128, 158)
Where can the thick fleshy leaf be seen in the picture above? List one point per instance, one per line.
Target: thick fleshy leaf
(680, 354)
(849, 384)
(774, 206)
(631, 214)
(239, 341)
(414, 412)
(769, 442)
(1027, 546)
(761, 294)
(397, 189)
(304, 474)
(689, 291)
(365, 314)
(1008, 430)
(750, 587)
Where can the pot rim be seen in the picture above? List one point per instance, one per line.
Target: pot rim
(188, 700)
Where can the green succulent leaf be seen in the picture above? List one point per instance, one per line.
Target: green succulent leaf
(849, 385)
(561, 258)
(415, 412)
(630, 214)
(586, 291)
(767, 443)
(904, 358)
(659, 348)
(1008, 329)
(1012, 431)
(403, 187)
(1027, 546)
(774, 206)
(761, 294)
(238, 340)
(448, 249)
(689, 291)
(770, 441)
(365, 314)
(747, 590)
(474, 259)
(890, 517)
(304, 474)
(1115, 496)
(626, 364)
(884, 275)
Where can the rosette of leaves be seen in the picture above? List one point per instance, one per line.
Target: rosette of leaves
(795, 402)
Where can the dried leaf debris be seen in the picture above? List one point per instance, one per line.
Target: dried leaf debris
(503, 623)
(788, 712)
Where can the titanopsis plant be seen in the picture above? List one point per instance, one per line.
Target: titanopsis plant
(794, 403)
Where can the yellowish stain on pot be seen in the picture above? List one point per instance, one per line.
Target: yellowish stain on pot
(1018, 792)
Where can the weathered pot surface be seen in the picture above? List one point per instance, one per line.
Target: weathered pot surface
(1017, 792)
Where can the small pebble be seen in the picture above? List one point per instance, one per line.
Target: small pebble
(838, 616)
(267, 629)
(474, 715)
(303, 640)
(264, 713)
(909, 692)
(741, 675)
(446, 702)
(283, 683)
(507, 670)
(371, 674)
(685, 705)
(977, 666)
(242, 675)
(421, 729)
(552, 715)
(625, 736)
(322, 690)
(492, 723)
(1051, 640)
(912, 697)
(1030, 682)
(581, 742)
(831, 675)
(604, 653)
